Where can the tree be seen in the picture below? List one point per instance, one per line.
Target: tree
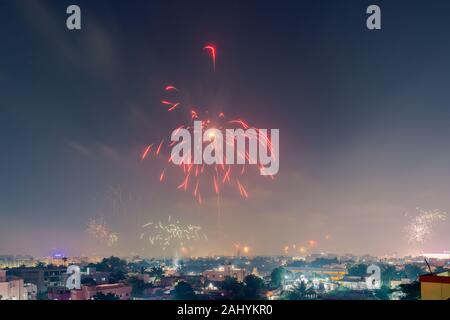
(440, 269)
(358, 270)
(310, 294)
(109, 296)
(88, 281)
(298, 292)
(297, 263)
(234, 289)
(117, 276)
(184, 291)
(320, 262)
(138, 266)
(388, 273)
(411, 291)
(156, 272)
(321, 287)
(340, 293)
(412, 271)
(110, 264)
(42, 296)
(138, 286)
(181, 266)
(383, 293)
(253, 286)
(276, 277)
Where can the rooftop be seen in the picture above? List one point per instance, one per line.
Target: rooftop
(443, 277)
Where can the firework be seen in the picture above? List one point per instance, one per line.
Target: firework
(198, 178)
(297, 248)
(212, 50)
(420, 227)
(312, 243)
(168, 234)
(100, 230)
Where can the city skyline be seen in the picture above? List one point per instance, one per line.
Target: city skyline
(364, 140)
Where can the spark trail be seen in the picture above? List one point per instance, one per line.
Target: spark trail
(171, 233)
(198, 179)
(420, 227)
(100, 230)
(212, 51)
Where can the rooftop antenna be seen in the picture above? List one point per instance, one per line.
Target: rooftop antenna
(428, 265)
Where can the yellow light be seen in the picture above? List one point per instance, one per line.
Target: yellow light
(212, 135)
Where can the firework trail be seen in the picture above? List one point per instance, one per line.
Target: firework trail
(212, 50)
(196, 177)
(100, 230)
(420, 228)
(301, 248)
(168, 234)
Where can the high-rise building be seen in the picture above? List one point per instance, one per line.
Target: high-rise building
(43, 277)
(12, 288)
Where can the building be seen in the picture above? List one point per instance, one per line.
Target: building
(219, 274)
(334, 273)
(58, 293)
(98, 277)
(57, 259)
(255, 272)
(353, 283)
(43, 278)
(31, 291)
(435, 286)
(12, 288)
(395, 283)
(196, 281)
(15, 261)
(121, 290)
(438, 256)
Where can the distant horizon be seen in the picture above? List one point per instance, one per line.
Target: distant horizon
(87, 115)
(234, 256)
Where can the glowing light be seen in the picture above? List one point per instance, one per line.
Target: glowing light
(212, 135)
(216, 176)
(167, 234)
(420, 227)
(100, 230)
(312, 243)
(212, 51)
(146, 151)
(197, 179)
(171, 88)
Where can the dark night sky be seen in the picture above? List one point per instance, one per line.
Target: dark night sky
(363, 118)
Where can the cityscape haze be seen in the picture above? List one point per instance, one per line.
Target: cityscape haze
(86, 117)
